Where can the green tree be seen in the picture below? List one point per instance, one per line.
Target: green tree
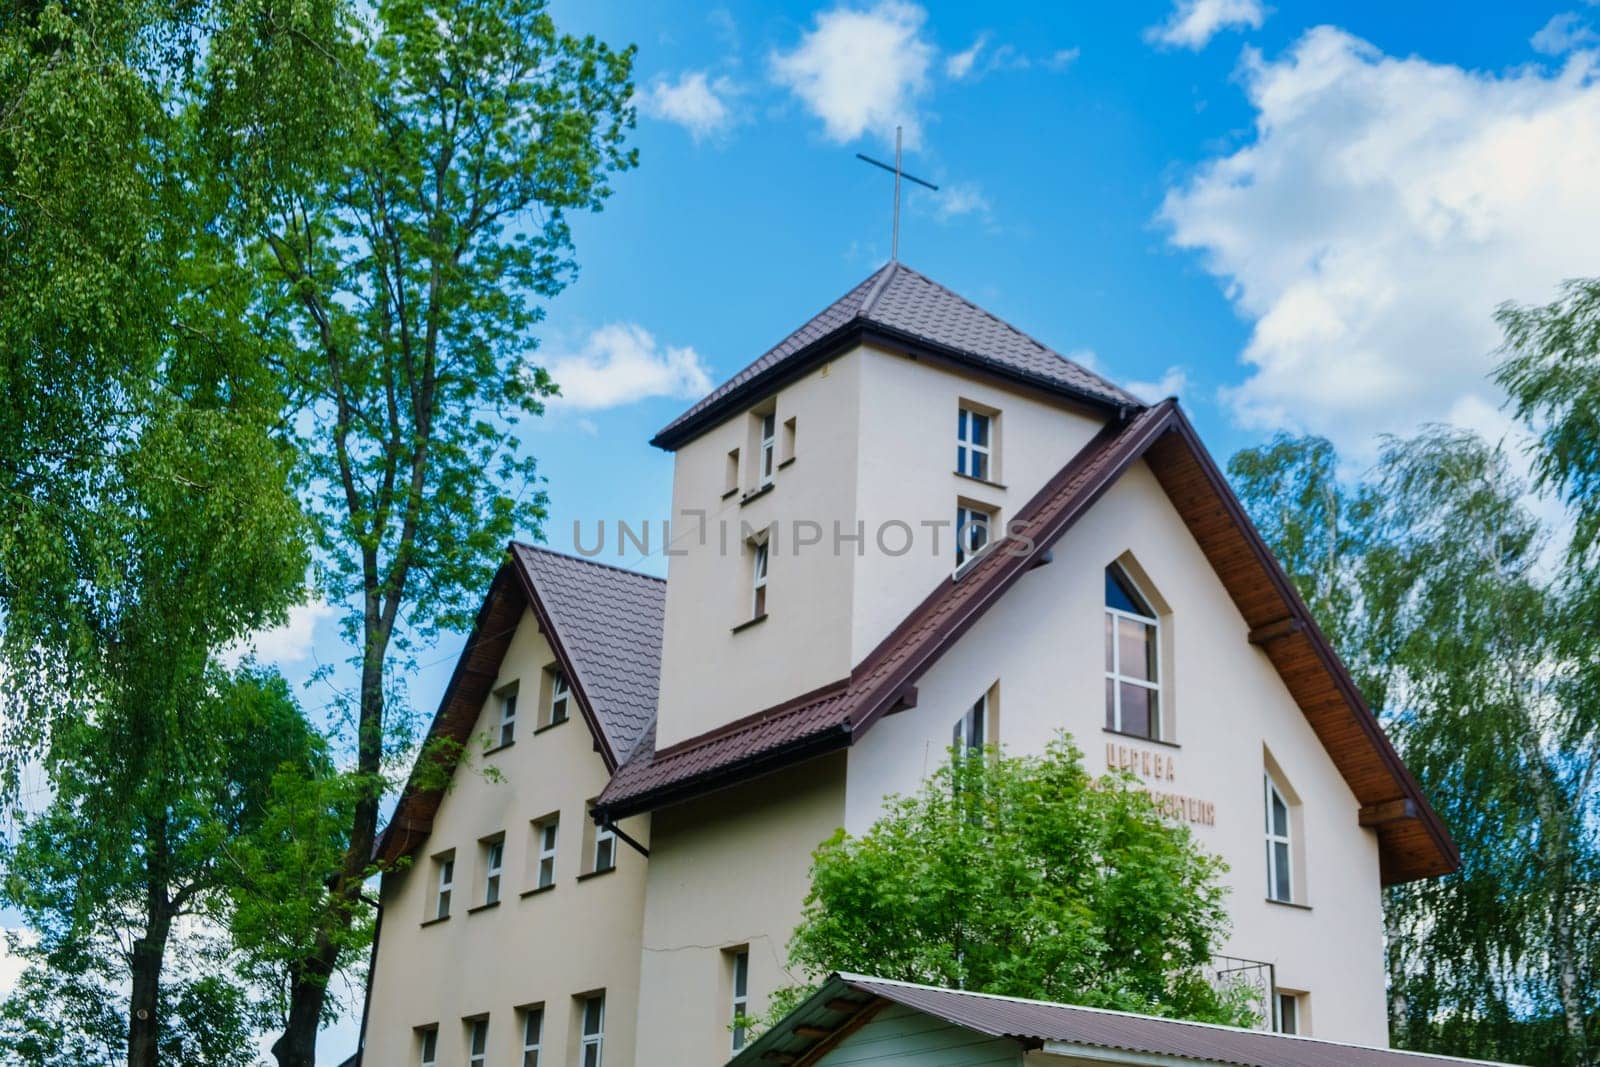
(1024, 876)
(1446, 598)
(401, 272)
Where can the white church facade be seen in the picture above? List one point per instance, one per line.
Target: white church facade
(907, 525)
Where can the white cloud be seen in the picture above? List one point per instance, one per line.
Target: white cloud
(956, 199)
(281, 645)
(621, 363)
(1193, 23)
(959, 64)
(1562, 34)
(696, 101)
(1062, 58)
(1382, 211)
(861, 72)
(1172, 383)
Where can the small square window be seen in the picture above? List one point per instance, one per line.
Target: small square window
(974, 530)
(1286, 1012)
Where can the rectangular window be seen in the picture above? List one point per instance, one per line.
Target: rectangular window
(769, 446)
(560, 697)
(1133, 687)
(1287, 1009)
(478, 1043)
(605, 848)
(741, 995)
(973, 443)
(758, 581)
(445, 882)
(1280, 851)
(429, 1041)
(592, 1041)
(494, 855)
(532, 1035)
(508, 714)
(973, 529)
(544, 837)
(970, 729)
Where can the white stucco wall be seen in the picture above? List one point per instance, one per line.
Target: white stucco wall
(1044, 643)
(581, 936)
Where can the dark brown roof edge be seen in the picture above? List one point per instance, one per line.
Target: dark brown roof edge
(764, 715)
(1319, 643)
(842, 338)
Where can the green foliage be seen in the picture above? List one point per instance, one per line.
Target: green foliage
(1462, 634)
(1023, 877)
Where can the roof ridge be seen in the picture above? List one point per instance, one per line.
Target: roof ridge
(575, 558)
(849, 978)
(887, 272)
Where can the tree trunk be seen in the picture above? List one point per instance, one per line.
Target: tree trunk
(149, 952)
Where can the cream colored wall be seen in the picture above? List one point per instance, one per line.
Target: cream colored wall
(712, 675)
(907, 475)
(581, 936)
(1044, 643)
(830, 603)
(727, 870)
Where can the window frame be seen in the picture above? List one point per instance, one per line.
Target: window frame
(535, 1044)
(1272, 790)
(444, 884)
(968, 512)
(507, 697)
(1114, 673)
(494, 867)
(428, 1057)
(760, 567)
(1279, 998)
(478, 1054)
(961, 735)
(767, 454)
(596, 1039)
(560, 695)
(547, 846)
(604, 836)
(969, 452)
(739, 962)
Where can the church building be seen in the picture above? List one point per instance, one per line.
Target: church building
(908, 525)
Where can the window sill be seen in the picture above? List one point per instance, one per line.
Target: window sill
(586, 875)
(749, 623)
(1289, 904)
(730, 492)
(1141, 738)
(980, 481)
(436, 920)
(498, 748)
(756, 494)
(786, 462)
(551, 725)
(483, 907)
(536, 890)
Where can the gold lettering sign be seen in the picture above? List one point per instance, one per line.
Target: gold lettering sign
(1160, 767)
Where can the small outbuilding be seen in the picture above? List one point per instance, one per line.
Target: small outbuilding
(858, 1020)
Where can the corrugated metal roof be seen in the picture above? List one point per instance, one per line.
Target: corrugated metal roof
(1037, 1023)
(901, 302)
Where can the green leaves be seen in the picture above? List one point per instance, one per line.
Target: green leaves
(1024, 877)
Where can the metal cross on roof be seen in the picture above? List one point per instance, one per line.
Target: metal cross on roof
(898, 172)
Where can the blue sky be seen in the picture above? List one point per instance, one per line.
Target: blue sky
(1298, 215)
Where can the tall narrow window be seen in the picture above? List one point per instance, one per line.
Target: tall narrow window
(446, 883)
(560, 697)
(730, 480)
(593, 1029)
(508, 714)
(1286, 1006)
(972, 532)
(972, 443)
(494, 855)
(758, 581)
(429, 1040)
(970, 729)
(1280, 850)
(1133, 685)
(544, 833)
(478, 1043)
(532, 1035)
(769, 446)
(605, 848)
(741, 996)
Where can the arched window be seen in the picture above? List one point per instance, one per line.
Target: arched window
(1133, 668)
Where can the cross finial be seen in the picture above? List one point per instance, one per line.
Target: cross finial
(899, 172)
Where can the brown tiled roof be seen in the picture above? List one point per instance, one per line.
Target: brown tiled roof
(845, 998)
(1412, 841)
(897, 304)
(604, 626)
